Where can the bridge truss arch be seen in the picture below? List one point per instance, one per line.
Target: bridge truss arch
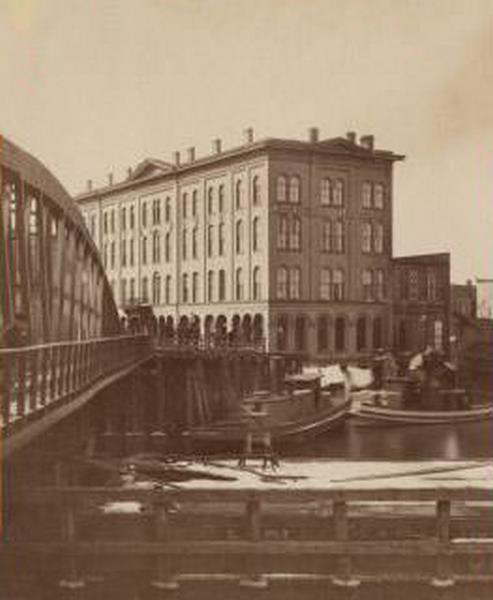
(52, 279)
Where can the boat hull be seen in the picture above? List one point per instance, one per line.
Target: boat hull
(281, 434)
(375, 415)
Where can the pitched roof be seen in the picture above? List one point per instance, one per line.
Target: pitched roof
(150, 167)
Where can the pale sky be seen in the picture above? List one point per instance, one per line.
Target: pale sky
(93, 86)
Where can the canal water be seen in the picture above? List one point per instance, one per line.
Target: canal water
(410, 442)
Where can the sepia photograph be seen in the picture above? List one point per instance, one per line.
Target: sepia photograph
(246, 317)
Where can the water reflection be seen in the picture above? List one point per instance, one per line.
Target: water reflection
(413, 442)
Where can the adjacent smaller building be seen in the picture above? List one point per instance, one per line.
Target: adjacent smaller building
(421, 302)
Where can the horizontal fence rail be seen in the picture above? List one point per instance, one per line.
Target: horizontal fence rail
(36, 379)
(209, 343)
(339, 556)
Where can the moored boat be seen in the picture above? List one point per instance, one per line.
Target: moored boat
(427, 395)
(301, 411)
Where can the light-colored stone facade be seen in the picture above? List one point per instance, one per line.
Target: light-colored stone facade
(300, 235)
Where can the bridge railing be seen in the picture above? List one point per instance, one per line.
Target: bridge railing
(35, 378)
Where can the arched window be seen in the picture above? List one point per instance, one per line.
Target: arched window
(210, 240)
(281, 189)
(256, 190)
(167, 247)
(378, 195)
(194, 203)
(340, 334)
(256, 283)
(366, 237)
(325, 284)
(294, 190)
(105, 255)
(184, 288)
(220, 198)
(378, 238)
(195, 287)
(194, 242)
(167, 210)
(145, 290)
(220, 245)
(325, 192)
(361, 334)
(295, 237)
(131, 248)
(239, 237)
(210, 201)
(156, 289)
(326, 236)
(367, 283)
(255, 234)
(167, 289)
(338, 285)
(300, 333)
(156, 254)
(123, 219)
(210, 286)
(323, 334)
(366, 194)
(123, 252)
(282, 283)
(238, 194)
(132, 217)
(380, 284)
(239, 284)
(222, 284)
(294, 283)
(338, 193)
(112, 254)
(144, 250)
(184, 205)
(184, 245)
(282, 233)
(132, 289)
(377, 333)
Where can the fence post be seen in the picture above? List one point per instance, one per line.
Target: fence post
(443, 578)
(253, 579)
(344, 577)
(163, 582)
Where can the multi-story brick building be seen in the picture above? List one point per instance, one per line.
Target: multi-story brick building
(292, 239)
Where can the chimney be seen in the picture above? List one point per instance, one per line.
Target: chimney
(216, 146)
(367, 142)
(313, 134)
(176, 158)
(351, 137)
(110, 178)
(191, 154)
(248, 135)
(129, 172)
(89, 185)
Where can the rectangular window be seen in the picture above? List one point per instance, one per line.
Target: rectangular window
(366, 194)
(144, 214)
(378, 196)
(325, 192)
(366, 237)
(294, 283)
(326, 236)
(413, 284)
(378, 238)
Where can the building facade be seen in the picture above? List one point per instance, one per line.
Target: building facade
(291, 239)
(421, 307)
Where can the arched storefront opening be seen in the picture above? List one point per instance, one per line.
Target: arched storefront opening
(282, 332)
(300, 333)
(323, 334)
(340, 334)
(377, 333)
(361, 341)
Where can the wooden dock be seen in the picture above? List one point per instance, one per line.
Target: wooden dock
(343, 525)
